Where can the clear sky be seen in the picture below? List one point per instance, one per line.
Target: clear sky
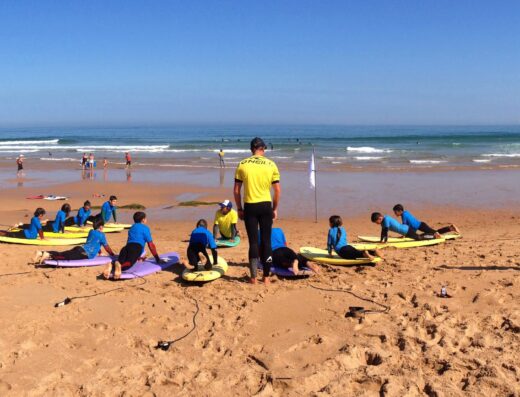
(323, 62)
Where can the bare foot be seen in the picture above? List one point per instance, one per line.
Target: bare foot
(455, 229)
(202, 259)
(437, 235)
(44, 257)
(117, 271)
(367, 255)
(252, 280)
(378, 253)
(313, 267)
(266, 280)
(37, 256)
(108, 270)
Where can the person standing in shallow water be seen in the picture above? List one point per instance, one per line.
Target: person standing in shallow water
(221, 158)
(258, 174)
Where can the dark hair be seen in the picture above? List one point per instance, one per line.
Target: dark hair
(398, 207)
(202, 222)
(336, 221)
(39, 211)
(113, 198)
(257, 143)
(139, 216)
(86, 203)
(375, 216)
(98, 222)
(66, 208)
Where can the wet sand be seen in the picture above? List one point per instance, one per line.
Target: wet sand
(290, 338)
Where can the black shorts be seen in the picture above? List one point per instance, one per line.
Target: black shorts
(349, 252)
(284, 257)
(193, 253)
(128, 163)
(130, 254)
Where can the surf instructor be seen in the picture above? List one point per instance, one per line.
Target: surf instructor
(257, 173)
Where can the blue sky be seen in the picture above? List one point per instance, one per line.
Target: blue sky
(320, 62)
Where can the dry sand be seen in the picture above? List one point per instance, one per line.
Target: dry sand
(288, 339)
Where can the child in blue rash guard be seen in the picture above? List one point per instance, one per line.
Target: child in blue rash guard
(390, 224)
(31, 231)
(95, 240)
(108, 210)
(58, 225)
(200, 239)
(408, 219)
(285, 257)
(138, 236)
(337, 241)
(81, 218)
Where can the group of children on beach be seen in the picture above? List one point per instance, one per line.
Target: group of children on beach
(201, 239)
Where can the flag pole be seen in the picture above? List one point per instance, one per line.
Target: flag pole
(315, 188)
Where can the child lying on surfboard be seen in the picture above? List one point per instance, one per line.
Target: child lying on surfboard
(138, 235)
(95, 240)
(58, 224)
(200, 239)
(81, 218)
(390, 224)
(415, 224)
(31, 231)
(285, 257)
(337, 241)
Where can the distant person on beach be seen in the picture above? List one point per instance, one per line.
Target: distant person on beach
(390, 224)
(200, 239)
(105, 163)
(258, 174)
(95, 240)
(58, 224)
(84, 160)
(225, 223)
(91, 161)
(221, 158)
(285, 257)
(337, 241)
(31, 231)
(139, 235)
(128, 160)
(271, 146)
(415, 224)
(19, 164)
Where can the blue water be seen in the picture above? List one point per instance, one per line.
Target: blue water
(358, 146)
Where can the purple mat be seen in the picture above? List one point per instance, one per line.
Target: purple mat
(283, 272)
(148, 266)
(97, 261)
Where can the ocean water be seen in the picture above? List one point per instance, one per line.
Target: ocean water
(359, 146)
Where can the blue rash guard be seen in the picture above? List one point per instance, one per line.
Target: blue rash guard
(203, 236)
(95, 240)
(410, 220)
(82, 217)
(59, 222)
(35, 226)
(390, 223)
(108, 210)
(140, 234)
(277, 238)
(333, 242)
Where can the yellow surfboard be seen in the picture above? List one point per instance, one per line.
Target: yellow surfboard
(401, 244)
(375, 239)
(86, 229)
(114, 225)
(57, 235)
(217, 271)
(48, 242)
(322, 256)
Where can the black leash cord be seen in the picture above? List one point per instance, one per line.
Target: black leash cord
(386, 309)
(67, 300)
(165, 345)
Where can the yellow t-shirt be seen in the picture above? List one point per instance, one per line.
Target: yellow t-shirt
(224, 222)
(257, 173)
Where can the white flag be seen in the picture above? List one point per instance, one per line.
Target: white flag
(312, 172)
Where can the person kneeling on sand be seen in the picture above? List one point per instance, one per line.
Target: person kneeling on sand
(390, 224)
(200, 239)
(95, 239)
(337, 241)
(138, 235)
(285, 257)
(415, 224)
(226, 219)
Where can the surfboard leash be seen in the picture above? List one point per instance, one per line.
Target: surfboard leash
(165, 344)
(67, 300)
(385, 309)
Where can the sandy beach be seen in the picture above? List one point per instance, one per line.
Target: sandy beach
(291, 338)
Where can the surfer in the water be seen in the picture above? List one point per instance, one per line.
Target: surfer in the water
(200, 239)
(285, 257)
(226, 219)
(337, 241)
(390, 224)
(138, 236)
(221, 158)
(415, 224)
(95, 240)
